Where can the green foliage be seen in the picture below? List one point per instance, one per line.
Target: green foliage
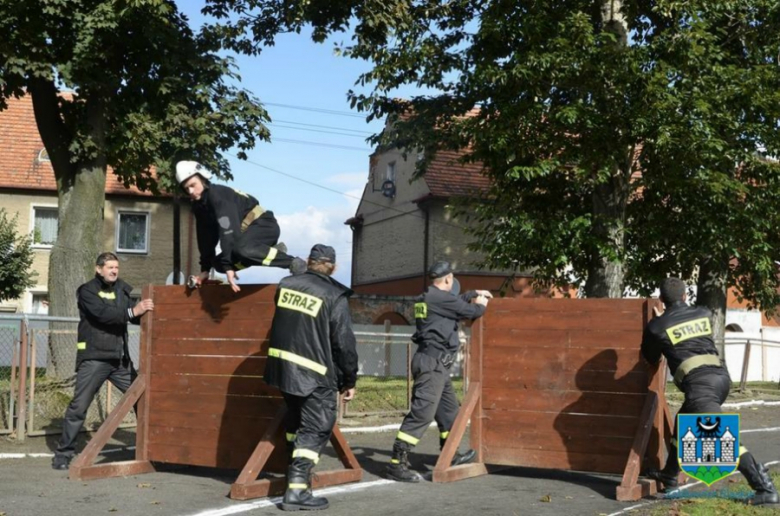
(16, 258)
(147, 89)
(573, 102)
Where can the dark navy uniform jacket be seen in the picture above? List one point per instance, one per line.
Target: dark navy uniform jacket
(437, 313)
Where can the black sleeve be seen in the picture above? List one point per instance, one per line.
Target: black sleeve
(343, 345)
(469, 295)
(651, 348)
(455, 307)
(228, 226)
(94, 308)
(207, 239)
(130, 305)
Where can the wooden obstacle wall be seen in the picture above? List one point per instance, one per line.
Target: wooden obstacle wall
(201, 396)
(560, 383)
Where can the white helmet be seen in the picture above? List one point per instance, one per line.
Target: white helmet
(187, 169)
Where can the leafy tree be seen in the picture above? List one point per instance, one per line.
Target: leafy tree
(16, 258)
(145, 91)
(575, 99)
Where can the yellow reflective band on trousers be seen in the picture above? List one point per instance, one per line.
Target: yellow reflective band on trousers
(742, 451)
(290, 437)
(298, 360)
(81, 345)
(307, 454)
(298, 486)
(300, 302)
(395, 461)
(407, 438)
(444, 435)
(107, 295)
(271, 255)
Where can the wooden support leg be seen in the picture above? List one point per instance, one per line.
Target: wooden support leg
(630, 488)
(443, 472)
(83, 469)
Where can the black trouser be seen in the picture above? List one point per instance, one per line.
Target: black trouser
(254, 245)
(90, 377)
(705, 389)
(310, 419)
(433, 398)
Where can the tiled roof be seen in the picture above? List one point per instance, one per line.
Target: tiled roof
(20, 147)
(447, 177)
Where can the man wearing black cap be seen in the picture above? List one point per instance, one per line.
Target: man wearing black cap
(683, 334)
(436, 313)
(312, 357)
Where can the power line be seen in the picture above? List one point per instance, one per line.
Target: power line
(333, 190)
(316, 130)
(367, 133)
(320, 144)
(316, 110)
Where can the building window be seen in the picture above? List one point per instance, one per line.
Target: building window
(43, 156)
(45, 226)
(390, 171)
(132, 232)
(40, 304)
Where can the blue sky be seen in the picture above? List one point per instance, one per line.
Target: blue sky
(299, 72)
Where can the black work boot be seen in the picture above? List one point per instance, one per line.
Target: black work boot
(459, 458)
(758, 477)
(668, 475)
(398, 469)
(298, 496)
(60, 462)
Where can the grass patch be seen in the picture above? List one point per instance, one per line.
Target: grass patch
(724, 498)
(386, 394)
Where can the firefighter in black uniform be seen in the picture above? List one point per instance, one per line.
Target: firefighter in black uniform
(105, 309)
(247, 234)
(312, 357)
(683, 334)
(436, 312)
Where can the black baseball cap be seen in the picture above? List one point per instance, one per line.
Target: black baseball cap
(440, 269)
(323, 253)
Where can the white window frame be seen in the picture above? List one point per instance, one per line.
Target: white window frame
(119, 214)
(391, 171)
(34, 207)
(34, 291)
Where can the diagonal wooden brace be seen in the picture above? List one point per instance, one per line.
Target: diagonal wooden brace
(631, 488)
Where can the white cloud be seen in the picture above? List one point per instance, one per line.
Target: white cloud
(314, 225)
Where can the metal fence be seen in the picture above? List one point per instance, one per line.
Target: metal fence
(384, 386)
(33, 399)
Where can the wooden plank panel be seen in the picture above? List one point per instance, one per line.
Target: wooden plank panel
(563, 359)
(246, 406)
(614, 404)
(550, 337)
(183, 364)
(498, 437)
(238, 348)
(197, 421)
(543, 377)
(240, 435)
(247, 328)
(209, 384)
(555, 460)
(622, 321)
(214, 294)
(540, 304)
(510, 422)
(232, 458)
(215, 311)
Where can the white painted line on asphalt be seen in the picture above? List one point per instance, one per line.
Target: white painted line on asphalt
(751, 403)
(45, 455)
(374, 429)
(752, 430)
(686, 486)
(270, 502)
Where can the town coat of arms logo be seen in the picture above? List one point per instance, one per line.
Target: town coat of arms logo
(708, 445)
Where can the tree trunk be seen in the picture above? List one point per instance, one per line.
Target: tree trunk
(606, 273)
(81, 197)
(711, 288)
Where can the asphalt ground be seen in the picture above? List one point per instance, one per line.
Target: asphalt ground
(28, 485)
